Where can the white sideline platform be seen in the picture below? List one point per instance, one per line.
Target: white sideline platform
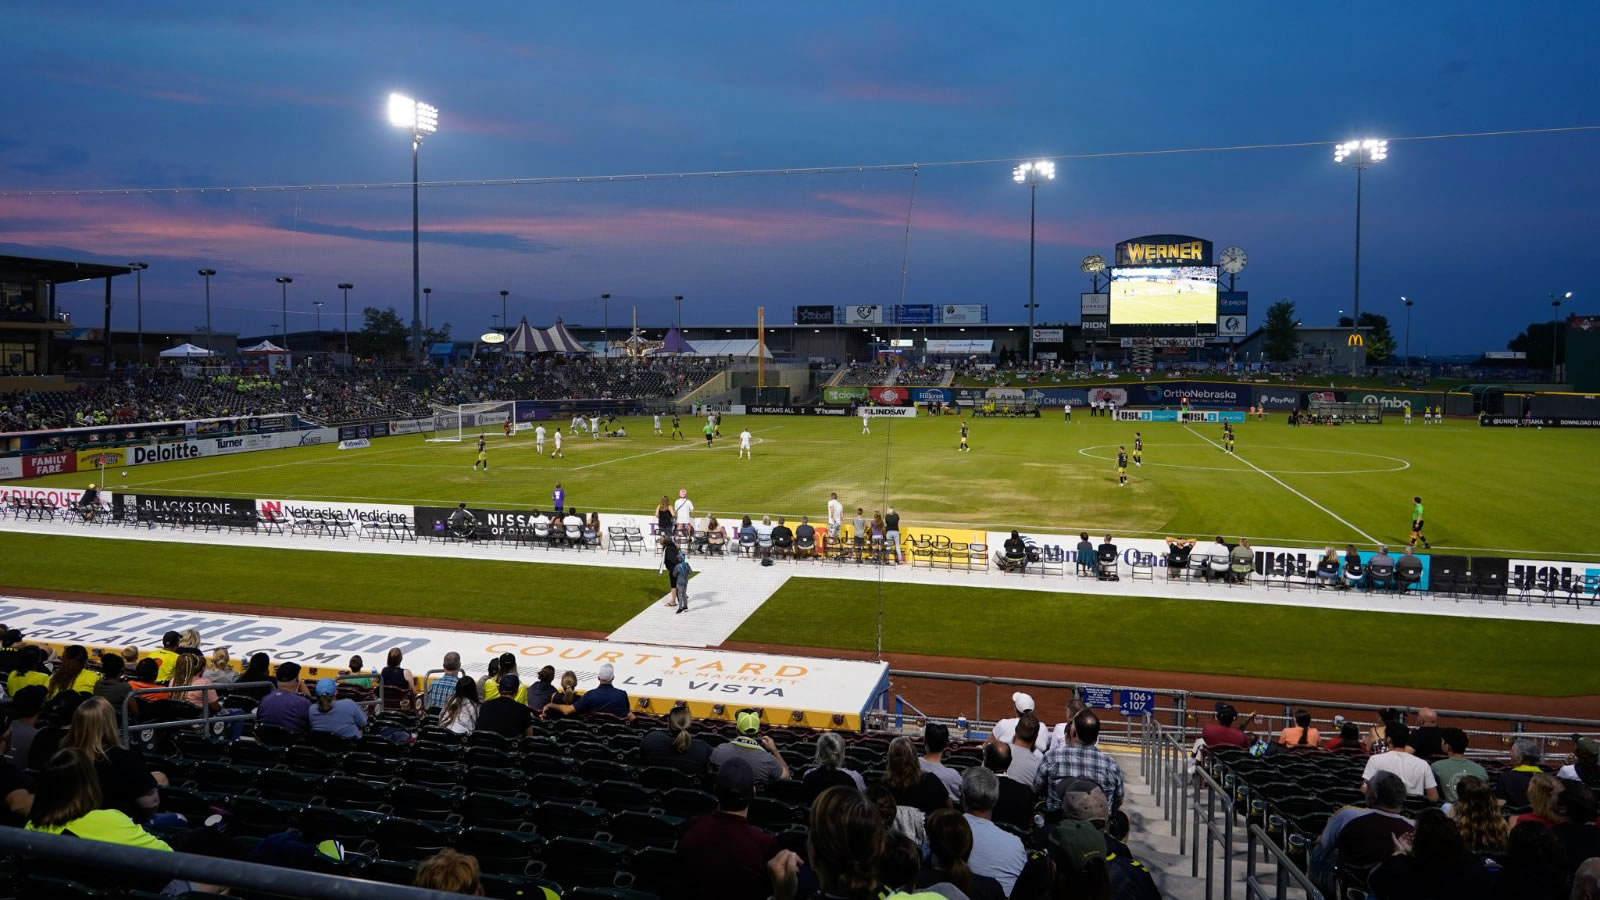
(727, 591)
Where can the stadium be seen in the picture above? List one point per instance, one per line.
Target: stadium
(857, 583)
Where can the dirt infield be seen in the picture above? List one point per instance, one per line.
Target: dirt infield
(953, 698)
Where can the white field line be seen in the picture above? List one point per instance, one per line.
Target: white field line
(1281, 482)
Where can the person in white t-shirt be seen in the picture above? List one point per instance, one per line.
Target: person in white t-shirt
(658, 424)
(1413, 770)
(1005, 730)
(835, 517)
(557, 451)
(683, 511)
(572, 524)
(1069, 412)
(866, 420)
(538, 440)
(594, 427)
(744, 444)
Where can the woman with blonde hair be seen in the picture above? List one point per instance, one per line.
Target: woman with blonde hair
(189, 642)
(189, 671)
(674, 746)
(567, 696)
(450, 872)
(222, 667)
(1543, 789)
(1478, 818)
(126, 783)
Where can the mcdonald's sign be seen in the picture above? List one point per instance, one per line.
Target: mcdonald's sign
(1354, 340)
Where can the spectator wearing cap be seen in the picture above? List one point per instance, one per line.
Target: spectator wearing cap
(336, 715)
(602, 698)
(1222, 732)
(996, 852)
(1079, 759)
(1083, 801)
(1511, 785)
(504, 715)
(1005, 730)
(756, 749)
(722, 854)
(1362, 836)
(443, 688)
(167, 656)
(1015, 804)
(935, 741)
(1063, 730)
(286, 707)
(1412, 770)
(1455, 766)
(1585, 765)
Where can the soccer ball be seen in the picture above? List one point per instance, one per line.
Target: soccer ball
(124, 473)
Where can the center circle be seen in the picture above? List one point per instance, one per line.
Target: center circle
(1399, 464)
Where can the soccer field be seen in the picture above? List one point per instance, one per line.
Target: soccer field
(1498, 490)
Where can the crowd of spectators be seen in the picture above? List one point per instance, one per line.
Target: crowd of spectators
(921, 375)
(865, 373)
(332, 396)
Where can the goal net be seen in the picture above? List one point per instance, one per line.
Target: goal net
(453, 423)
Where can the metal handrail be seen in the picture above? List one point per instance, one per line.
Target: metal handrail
(99, 855)
(205, 718)
(1284, 868)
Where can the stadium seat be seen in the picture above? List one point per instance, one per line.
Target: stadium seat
(580, 863)
(419, 801)
(570, 819)
(639, 828)
(412, 838)
(499, 811)
(655, 871)
(283, 784)
(260, 817)
(351, 827)
(686, 803)
(504, 852)
(617, 796)
(662, 778)
(344, 791)
(489, 780)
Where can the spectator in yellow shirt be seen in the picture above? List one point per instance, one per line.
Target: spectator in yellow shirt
(72, 673)
(30, 670)
(507, 664)
(167, 656)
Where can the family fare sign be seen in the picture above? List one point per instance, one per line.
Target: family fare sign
(821, 688)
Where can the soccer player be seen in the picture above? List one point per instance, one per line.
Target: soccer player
(538, 440)
(1227, 441)
(658, 424)
(483, 456)
(708, 431)
(744, 444)
(507, 427)
(716, 424)
(677, 430)
(1416, 525)
(866, 428)
(1069, 413)
(594, 427)
(1122, 466)
(964, 448)
(1408, 413)
(1138, 448)
(557, 451)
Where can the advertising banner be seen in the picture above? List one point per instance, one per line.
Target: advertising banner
(40, 464)
(503, 524)
(1233, 303)
(1058, 396)
(881, 412)
(1548, 571)
(1164, 250)
(911, 534)
(169, 509)
(890, 396)
(963, 314)
(355, 512)
(357, 444)
(1096, 326)
(1537, 422)
(417, 426)
(914, 314)
(1095, 304)
(1049, 335)
(792, 411)
(1389, 401)
(243, 444)
(841, 396)
(960, 348)
(111, 458)
(1114, 395)
(10, 467)
(60, 498)
(820, 688)
(1162, 342)
(813, 315)
(314, 437)
(1230, 326)
(1197, 393)
(932, 395)
(1269, 398)
(145, 454)
(863, 315)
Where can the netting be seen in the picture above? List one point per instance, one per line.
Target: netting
(452, 423)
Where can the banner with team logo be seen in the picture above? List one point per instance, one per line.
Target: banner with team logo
(10, 467)
(883, 412)
(964, 314)
(863, 315)
(36, 465)
(840, 396)
(890, 396)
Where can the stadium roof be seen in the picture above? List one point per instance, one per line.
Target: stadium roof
(61, 271)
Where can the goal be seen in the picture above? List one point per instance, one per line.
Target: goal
(453, 423)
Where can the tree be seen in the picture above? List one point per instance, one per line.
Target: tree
(1283, 341)
(435, 335)
(1380, 342)
(382, 331)
(1536, 341)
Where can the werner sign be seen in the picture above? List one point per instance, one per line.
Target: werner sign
(1164, 250)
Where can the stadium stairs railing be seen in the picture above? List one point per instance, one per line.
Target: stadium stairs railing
(100, 855)
(213, 725)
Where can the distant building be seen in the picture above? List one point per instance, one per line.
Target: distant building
(1317, 348)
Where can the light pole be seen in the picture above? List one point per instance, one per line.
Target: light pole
(318, 305)
(1032, 174)
(1358, 155)
(496, 318)
(503, 320)
(605, 325)
(284, 281)
(1409, 304)
(421, 119)
(679, 300)
(345, 326)
(1555, 335)
(138, 293)
(206, 274)
(427, 307)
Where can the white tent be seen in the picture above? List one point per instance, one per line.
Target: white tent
(186, 351)
(561, 340)
(263, 347)
(526, 339)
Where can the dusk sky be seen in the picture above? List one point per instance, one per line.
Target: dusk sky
(1478, 231)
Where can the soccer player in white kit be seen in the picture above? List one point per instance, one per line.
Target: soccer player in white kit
(865, 419)
(658, 424)
(594, 427)
(557, 451)
(538, 440)
(1069, 412)
(744, 445)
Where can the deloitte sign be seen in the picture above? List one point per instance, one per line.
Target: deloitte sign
(138, 456)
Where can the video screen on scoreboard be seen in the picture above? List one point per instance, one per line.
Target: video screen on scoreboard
(1176, 295)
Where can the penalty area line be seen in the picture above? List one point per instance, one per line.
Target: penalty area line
(1285, 486)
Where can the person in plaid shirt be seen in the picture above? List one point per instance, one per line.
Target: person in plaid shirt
(441, 690)
(1071, 759)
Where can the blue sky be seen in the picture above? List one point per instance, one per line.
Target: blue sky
(1477, 231)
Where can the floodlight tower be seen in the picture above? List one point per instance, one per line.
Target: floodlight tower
(1032, 174)
(206, 274)
(1359, 155)
(283, 282)
(421, 119)
(344, 326)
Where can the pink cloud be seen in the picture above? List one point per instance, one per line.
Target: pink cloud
(884, 91)
(890, 209)
(544, 132)
(127, 81)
